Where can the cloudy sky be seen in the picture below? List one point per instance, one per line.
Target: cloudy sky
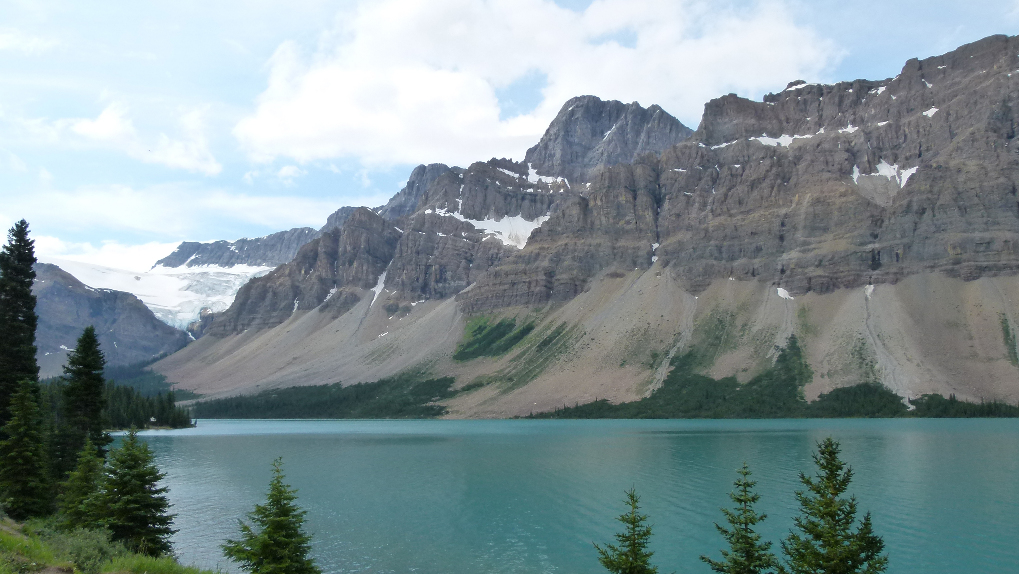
(126, 127)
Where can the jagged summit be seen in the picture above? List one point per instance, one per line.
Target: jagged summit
(406, 201)
(589, 132)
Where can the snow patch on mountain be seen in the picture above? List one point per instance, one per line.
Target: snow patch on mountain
(176, 295)
(511, 230)
(891, 171)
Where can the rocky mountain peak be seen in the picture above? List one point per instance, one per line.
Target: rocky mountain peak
(268, 251)
(406, 201)
(589, 132)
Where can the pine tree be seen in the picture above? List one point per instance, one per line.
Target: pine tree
(632, 555)
(78, 502)
(746, 554)
(83, 401)
(827, 542)
(134, 506)
(279, 545)
(24, 477)
(17, 315)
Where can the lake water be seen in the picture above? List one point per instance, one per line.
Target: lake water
(531, 496)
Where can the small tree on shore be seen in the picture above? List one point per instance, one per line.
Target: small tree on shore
(276, 543)
(78, 503)
(24, 477)
(133, 505)
(746, 554)
(826, 541)
(632, 555)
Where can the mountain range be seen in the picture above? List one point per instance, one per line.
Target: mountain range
(878, 221)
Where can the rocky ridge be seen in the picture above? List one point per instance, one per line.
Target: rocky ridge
(269, 251)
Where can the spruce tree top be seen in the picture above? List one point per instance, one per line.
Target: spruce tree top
(17, 314)
(84, 400)
(632, 555)
(18, 256)
(747, 554)
(827, 542)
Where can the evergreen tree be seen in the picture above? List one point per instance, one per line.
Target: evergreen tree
(632, 555)
(24, 476)
(134, 506)
(746, 554)
(78, 502)
(827, 542)
(83, 401)
(17, 315)
(279, 545)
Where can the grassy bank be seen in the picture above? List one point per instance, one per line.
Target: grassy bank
(38, 547)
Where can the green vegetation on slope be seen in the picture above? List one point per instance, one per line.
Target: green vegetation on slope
(145, 381)
(777, 392)
(400, 397)
(1009, 338)
(483, 338)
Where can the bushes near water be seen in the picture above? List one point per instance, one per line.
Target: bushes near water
(126, 407)
(937, 406)
(400, 397)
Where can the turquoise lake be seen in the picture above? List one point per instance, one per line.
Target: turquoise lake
(531, 496)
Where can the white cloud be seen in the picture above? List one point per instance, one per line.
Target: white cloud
(17, 41)
(413, 81)
(288, 173)
(113, 254)
(112, 127)
(15, 163)
(168, 212)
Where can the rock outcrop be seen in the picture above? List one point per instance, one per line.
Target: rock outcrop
(331, 271)
(589, 133)
(128, 331)
(406, 201)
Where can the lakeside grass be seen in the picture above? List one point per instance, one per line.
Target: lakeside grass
(37, 547)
